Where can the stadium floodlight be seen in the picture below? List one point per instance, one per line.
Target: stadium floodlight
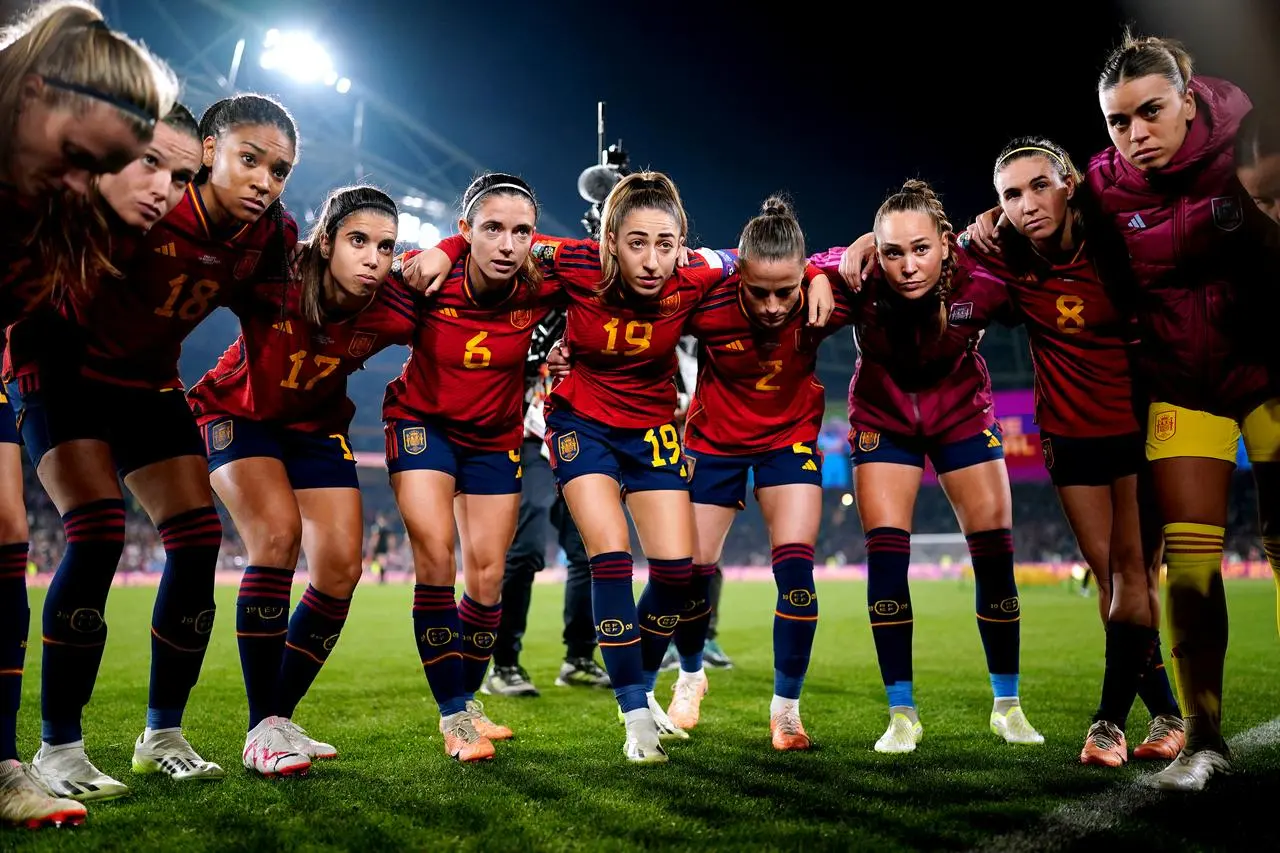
(300, 56)
(414, 230)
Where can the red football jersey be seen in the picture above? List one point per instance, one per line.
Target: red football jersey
(178, 274)
(465, 371)
(757, 388)
(284, 370)
(21, 279)
(1081, 344)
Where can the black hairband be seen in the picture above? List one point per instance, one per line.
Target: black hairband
(649, 184)
(367, 205)
(97, 94)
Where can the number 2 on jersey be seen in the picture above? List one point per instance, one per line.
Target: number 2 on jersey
(326, 363)
(196, 305)
(636, 333)
(664, 437)
(771, 369)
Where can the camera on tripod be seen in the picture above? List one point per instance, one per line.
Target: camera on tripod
(596, 182)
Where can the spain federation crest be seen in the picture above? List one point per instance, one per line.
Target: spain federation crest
(1047, 447)
(361, 344)
(1166, 425)
(222, 434)
(1227, 213)
(868, 441)
(246, 265)
(521, 318)
(567, 446)
(669, 304)
(413, 439)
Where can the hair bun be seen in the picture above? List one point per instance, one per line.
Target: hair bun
(775, 206)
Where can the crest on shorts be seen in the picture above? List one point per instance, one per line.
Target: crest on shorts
(221, 435)
(521, 318)
(690, 462)
(567, 446)
(246, 265)
(1166, 425)
(669, 304)
(868, 441)
(1227, 214)
(1046, 446)
(361, 344)
(960, 311)
(414, 439)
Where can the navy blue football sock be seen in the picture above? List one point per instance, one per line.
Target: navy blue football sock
(313, 633)
(618, 627)
(999, 611)
(795, 618)
(182, 621)
(438, 632)
(889, 606)
(659, 609)
(74, 624)
(1128, 654)
(15, 623)
(1155, 689)
(262, 621)
(479, 633)
(695, 619)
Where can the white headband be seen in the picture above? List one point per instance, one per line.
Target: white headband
(466, 211)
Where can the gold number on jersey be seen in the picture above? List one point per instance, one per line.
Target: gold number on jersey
(326, 363)
(475, 355)
(664, 436)
(636, 333)
(771, 369)
(346, 448)
(196, 305)
(1070, 314)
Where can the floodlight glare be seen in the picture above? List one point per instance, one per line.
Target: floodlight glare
(298, 55)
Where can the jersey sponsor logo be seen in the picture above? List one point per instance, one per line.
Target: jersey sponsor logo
(413, 439)
(961, 311)
(1227, 213)
(449, 312)
(669, 304)
(1046, 446)
(247, 264)
(169, 250)
(868, 441)
(521, 318)
(285, 326)
(993, 440)
(809, 466)
(222, 434)
(567, 446)
(736, 346)
(361, 344)
(1166, 425)
(1136, 222)
(545, 251)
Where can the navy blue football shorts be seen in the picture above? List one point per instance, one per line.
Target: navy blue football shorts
(312, 460)
(423, 446)
(985, 446)
(722, 480)
(641, 460)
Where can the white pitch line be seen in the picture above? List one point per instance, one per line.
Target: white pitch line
(1075, 821)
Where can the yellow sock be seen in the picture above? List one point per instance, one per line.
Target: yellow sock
(1271, 545)
(1197, 612)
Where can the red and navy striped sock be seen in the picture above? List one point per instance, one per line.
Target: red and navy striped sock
(695, 619)
(262, 621)
(795, 619)
(438, 632)
(74, 623)
(15, 622)
(618, 627)
(659, 611)
(313, 632)
(999, 611)
(479, 633)
(889, 606)
(182, 621)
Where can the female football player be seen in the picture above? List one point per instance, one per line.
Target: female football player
(80, 100)
(275, 416)
(116, 410)
(1258, 163)
(758, 356)
(454, 426)
(922, 390)
(610, 430)
(1071, 288)
(1168, 184)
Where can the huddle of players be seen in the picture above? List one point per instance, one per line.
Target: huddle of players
(188, 216)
